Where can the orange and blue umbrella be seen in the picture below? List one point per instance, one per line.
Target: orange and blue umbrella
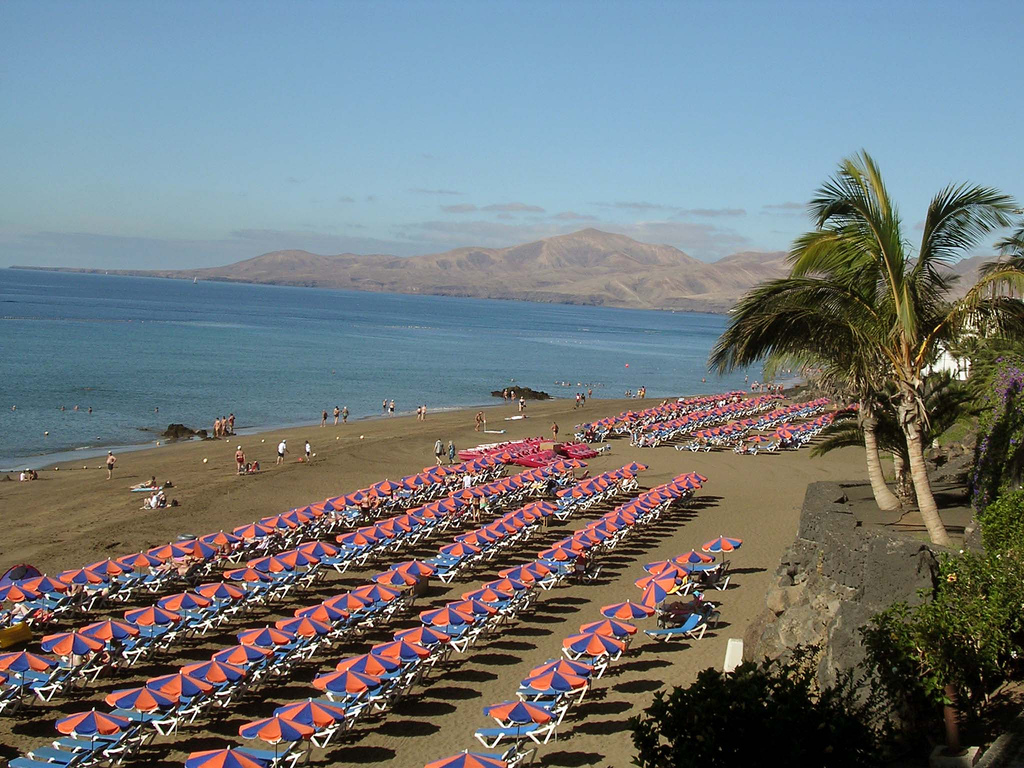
(23, 661)
(218, 590)
(109, 567)
(609, 628)
(487, 595)
(265, 637)
(400, 650)
(564, 666)
(140, 699)
(274, 564)
(460, 549)
(657, 590)
(349, 602)
(253, 531)
(446, 617)
(318, 714)
(377, 593)
(184, 601)
(17, 593)
(415, 568)
(110, 629)
(475, 607)
(223, 758)
(180, 684)
(275, 730)
(423, 635)
(368, 664)
(169, 551)
(92, 723)
(554, 680)
(469, 759)
(318, 549)
(693, 557)
(348, 682)
(214, 671)
(722, 544)
(303, 626)
(43, 584)
(593, 644)
(70, 644)
(241, 654)
(323, 613)
(627, 611)
(396, 578)
(220, 539)
(518, 713)
(140, 560)
(146, 617)
(249, 575)
(82, 576)
(507, 584)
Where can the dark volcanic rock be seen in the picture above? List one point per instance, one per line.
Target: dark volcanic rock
(524, 392)
(181, 432)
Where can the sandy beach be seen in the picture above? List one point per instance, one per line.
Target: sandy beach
(74, 516)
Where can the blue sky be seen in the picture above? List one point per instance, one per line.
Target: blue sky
(182, 134)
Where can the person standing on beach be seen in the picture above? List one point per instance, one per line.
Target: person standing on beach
(240, 459)
(391, 408)
(344, 415)
(438, 451)
(424, 412)
(323, 419)
(282, 449)
(480, 423)
(111, 461)
(337, 413)
(522, 403)
(451, 453)
(309, 451)
(231, 423)
(216, 428)
(554, 431)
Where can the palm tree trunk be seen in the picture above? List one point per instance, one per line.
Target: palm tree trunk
(922, 486)
(884, 498)
(904, 486)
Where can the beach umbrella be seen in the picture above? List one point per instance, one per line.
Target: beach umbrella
(593, 644)
(214, 671)
(487, 595)
(475, 607)
(396, 578)
(656, 591)
(223, 758)
(564, 666)
(220, 591)
(693, 557)
(146, 617)
(348, 602)
(358, 538)
(249, 575)
(318, 714)
(368, 664)
(81, 576)
(242, 654)
(184, 601)
(400, 650)
(273, 564)
(323, 613)
(70, 644)
(140, 560)
(446, 617)
(276, 729)
(722, 544)
(518, 713)
(16, 593)
(423, 635)
(460, 549)
(220, 539)
(609, 628)
(169, 551)
(253, 531)
(558, 554)
(554, 680)
(110, 629)
(469, 759)
(303, 626)
(507, 585)
(296, 559)
(179, 684)
(43, 585)
(197, 548)
(108, 567)
(23, 661)
(627, 611)
(92, 723)
(377, 593)
(318, 549)
(348, 682)
(140, 699)
(663, 569)
(265, 637)
(415, 568)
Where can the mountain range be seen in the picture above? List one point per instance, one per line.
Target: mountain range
(586, 267)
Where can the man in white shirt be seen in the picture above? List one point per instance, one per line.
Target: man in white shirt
(282, 449)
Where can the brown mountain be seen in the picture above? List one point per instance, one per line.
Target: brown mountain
(585, 267)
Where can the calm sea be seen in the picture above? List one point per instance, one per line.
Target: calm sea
(277, 356)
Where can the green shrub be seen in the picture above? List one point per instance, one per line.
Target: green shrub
(1002, 522)
(760, 714)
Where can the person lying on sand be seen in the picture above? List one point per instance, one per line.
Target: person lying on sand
(143, 486)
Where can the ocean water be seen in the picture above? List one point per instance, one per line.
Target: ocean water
(277, 356)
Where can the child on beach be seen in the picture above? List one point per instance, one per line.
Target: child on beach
(308, 449)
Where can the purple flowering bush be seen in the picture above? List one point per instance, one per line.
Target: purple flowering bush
(999, 454)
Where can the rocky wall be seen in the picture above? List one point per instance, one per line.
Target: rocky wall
(834, 577)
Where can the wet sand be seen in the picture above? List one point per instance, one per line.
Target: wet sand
(74, 516)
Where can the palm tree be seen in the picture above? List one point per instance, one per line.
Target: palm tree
(855, 277)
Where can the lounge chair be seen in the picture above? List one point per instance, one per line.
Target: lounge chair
(692, 629)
